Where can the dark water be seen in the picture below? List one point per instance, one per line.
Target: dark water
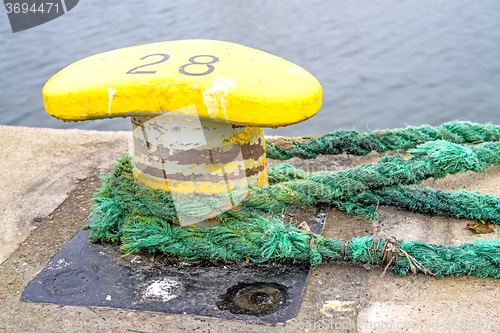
(382, 63)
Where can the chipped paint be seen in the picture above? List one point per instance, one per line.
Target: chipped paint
(111, 93)
(199, 161)
(338, 306)
(298, 71)
(215, 97)
(163, 85)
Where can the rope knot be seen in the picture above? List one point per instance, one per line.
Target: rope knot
(314, 256)
(390, 252)
(344, 245)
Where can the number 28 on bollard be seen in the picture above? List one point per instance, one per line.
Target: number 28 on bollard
(198, 108)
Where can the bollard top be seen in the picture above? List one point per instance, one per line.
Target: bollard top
(224, 81)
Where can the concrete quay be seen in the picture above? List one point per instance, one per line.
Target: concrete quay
(48, 177)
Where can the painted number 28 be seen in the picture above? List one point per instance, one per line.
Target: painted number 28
(184, 69)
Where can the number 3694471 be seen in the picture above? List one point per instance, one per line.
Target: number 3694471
(25, 7)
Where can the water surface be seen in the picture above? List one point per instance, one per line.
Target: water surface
(382, 63)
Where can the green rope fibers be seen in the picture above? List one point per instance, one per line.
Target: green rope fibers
(355, 143)
(261, 240)
(459, 204)
(144, 219)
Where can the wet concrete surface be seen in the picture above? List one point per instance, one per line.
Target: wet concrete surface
(337, 296)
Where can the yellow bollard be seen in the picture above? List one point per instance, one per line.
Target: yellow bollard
(197, 108)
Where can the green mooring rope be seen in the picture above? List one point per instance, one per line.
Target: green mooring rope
(145, 219)
(355, 143)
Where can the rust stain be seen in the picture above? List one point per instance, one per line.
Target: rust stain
(200, 156)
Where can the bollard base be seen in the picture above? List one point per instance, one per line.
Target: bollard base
(88, 274)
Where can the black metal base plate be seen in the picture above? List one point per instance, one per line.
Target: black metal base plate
(88, 274)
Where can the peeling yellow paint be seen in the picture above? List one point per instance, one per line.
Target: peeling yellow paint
(182, 186)
(151, 182)
(211, 188)
(263, 180)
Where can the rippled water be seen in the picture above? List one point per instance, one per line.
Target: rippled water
(382, 63)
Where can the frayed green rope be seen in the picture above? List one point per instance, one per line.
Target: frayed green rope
(145, 219)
